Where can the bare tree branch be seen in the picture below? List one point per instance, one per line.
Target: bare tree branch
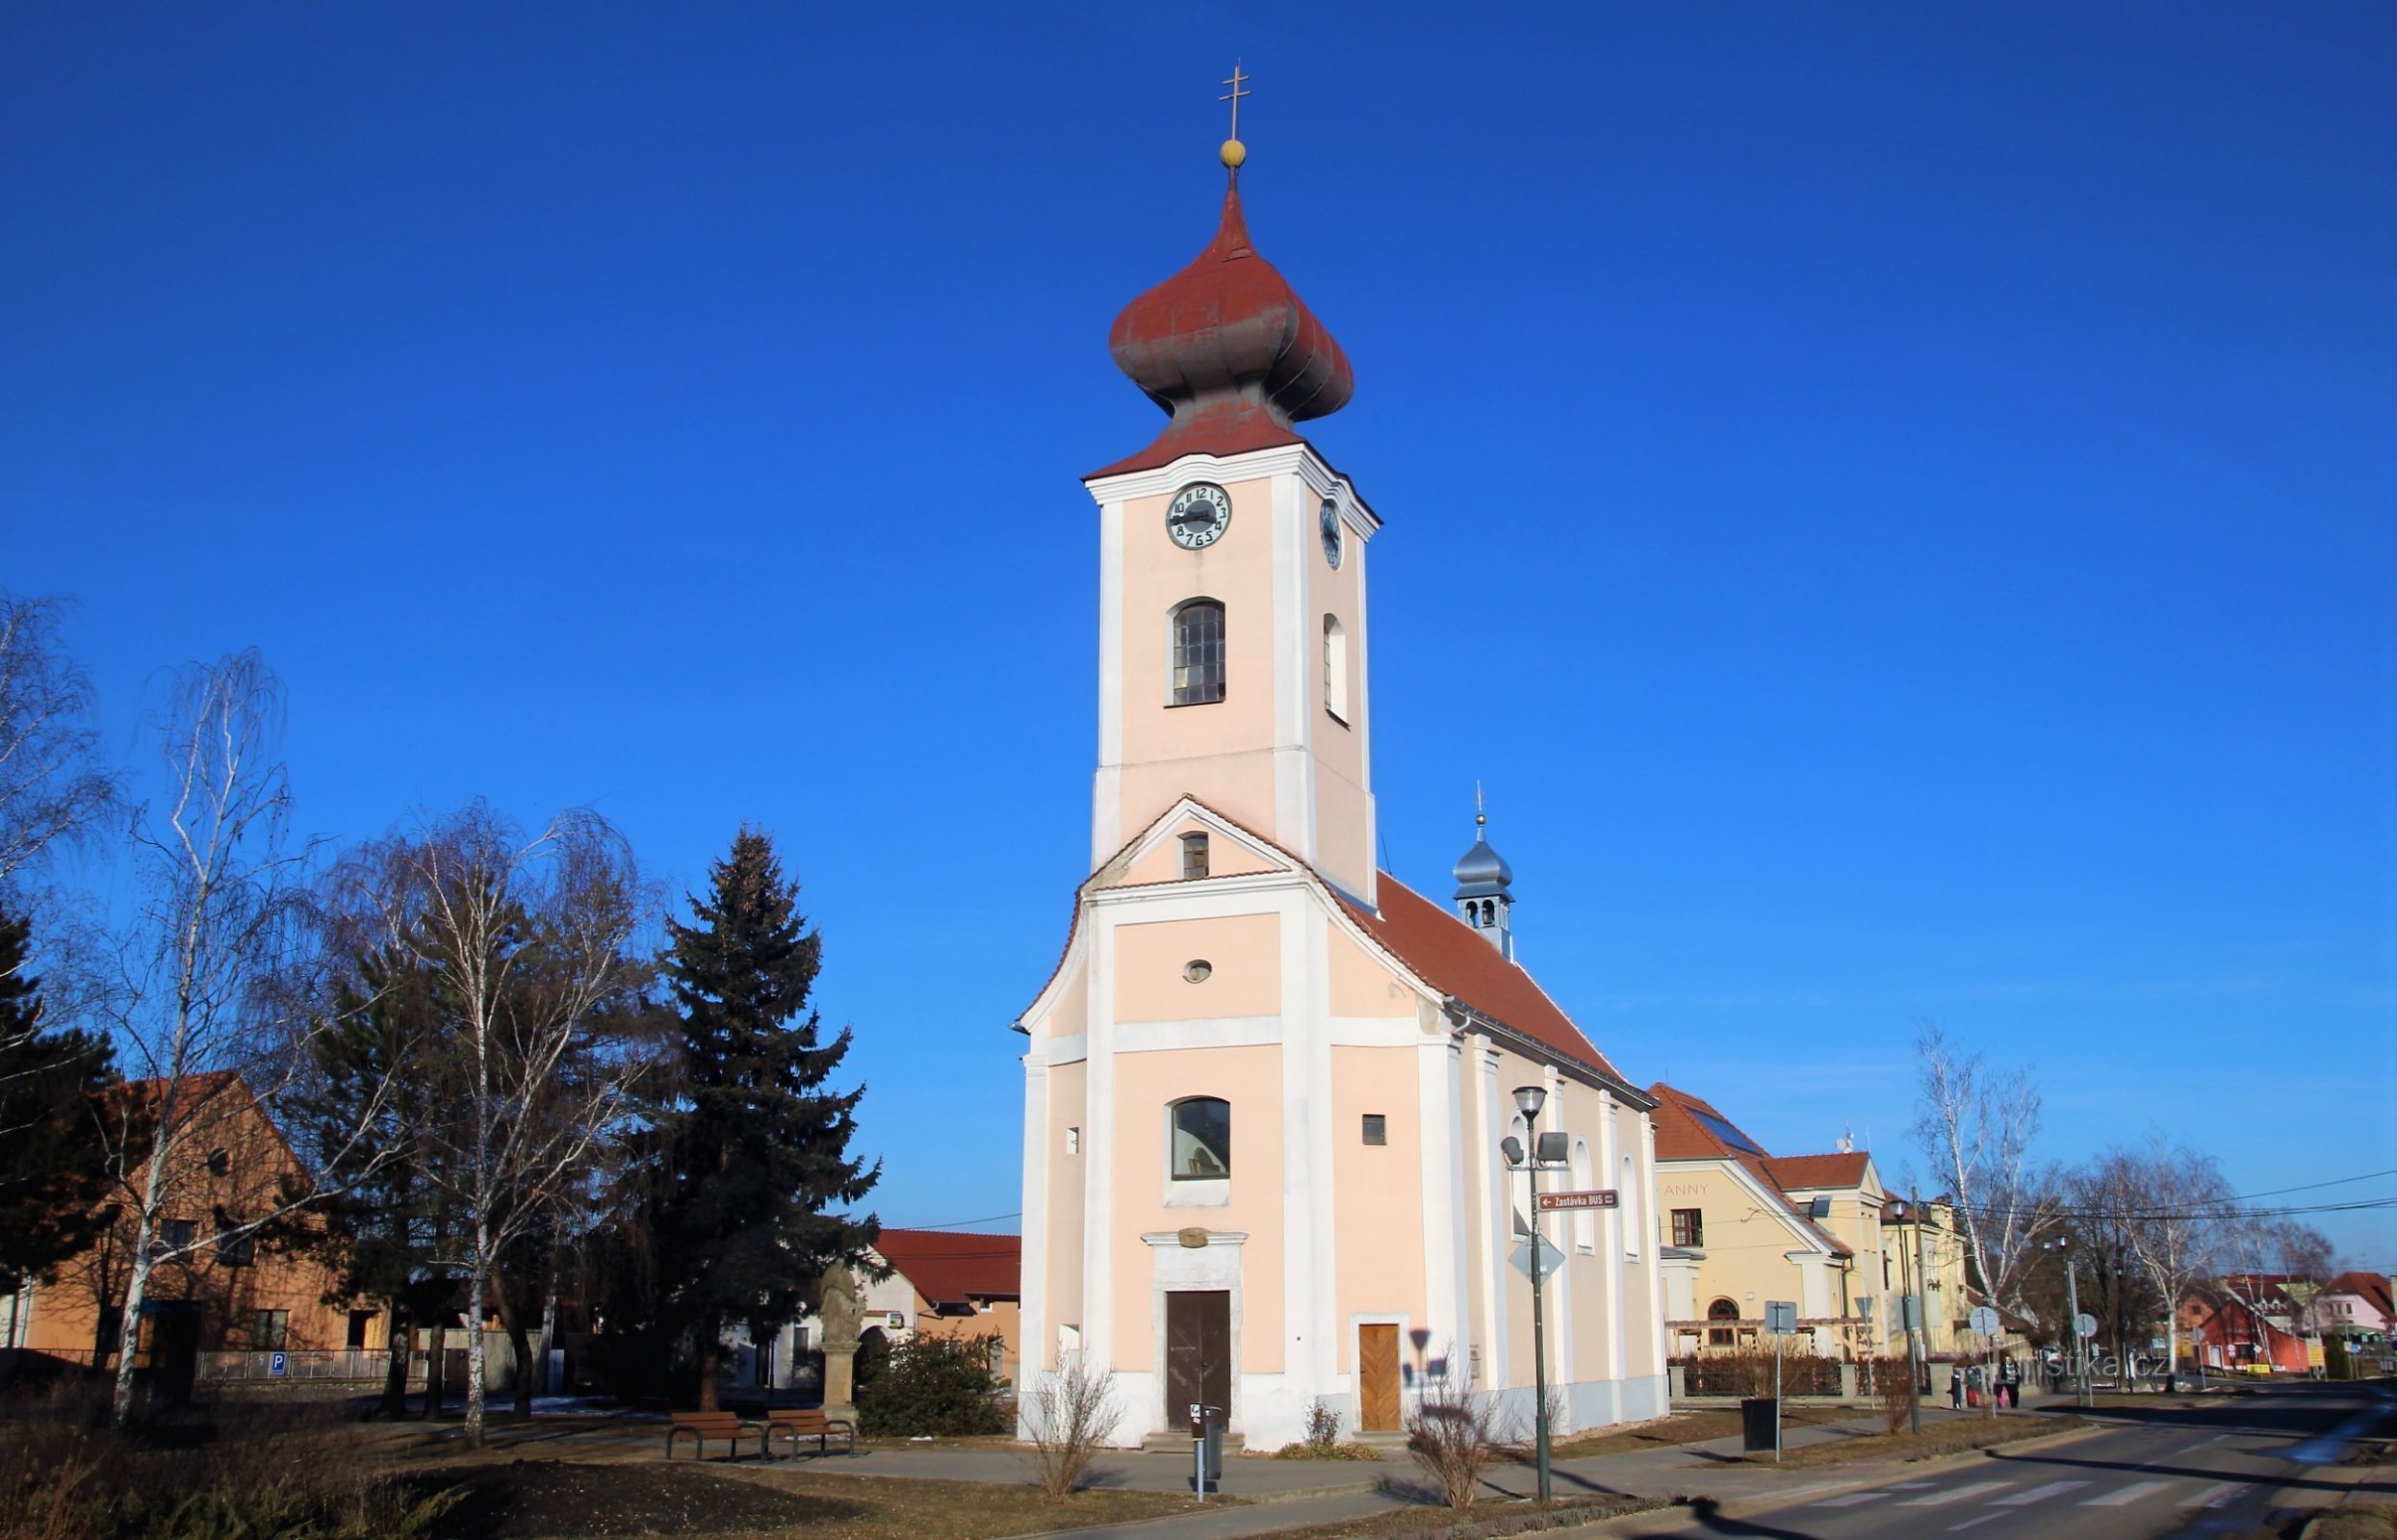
(1978, 1128)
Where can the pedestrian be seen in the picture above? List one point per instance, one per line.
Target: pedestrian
(1955, 1389)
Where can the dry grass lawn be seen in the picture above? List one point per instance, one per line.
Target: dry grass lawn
(1686, 1428)
(581, 1499)
(1482, 1519)
(1952, 1437)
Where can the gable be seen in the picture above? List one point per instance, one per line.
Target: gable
(1158, 857)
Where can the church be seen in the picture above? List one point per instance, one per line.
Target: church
(1272, 1151)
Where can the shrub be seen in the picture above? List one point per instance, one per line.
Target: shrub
(1323, 1425)
(941, 1386)
(1454, 1434)
(1888, 1381)
(1067, 1418)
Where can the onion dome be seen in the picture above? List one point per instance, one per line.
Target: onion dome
(1483, 872)
(1229, 350)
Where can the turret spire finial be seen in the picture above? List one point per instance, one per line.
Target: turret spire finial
(1234, 153)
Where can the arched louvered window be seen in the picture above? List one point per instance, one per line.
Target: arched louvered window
(1197, 645)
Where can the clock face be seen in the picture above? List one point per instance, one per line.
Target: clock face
(1330, 520)
(1198, 515)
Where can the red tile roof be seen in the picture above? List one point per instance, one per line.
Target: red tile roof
(1680, 1136)
(2372, 1288)
(1453, 958)
(1846, 1169)
(953, 1268)
(1683, 1136)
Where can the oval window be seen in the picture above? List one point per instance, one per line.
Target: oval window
(1198, 970)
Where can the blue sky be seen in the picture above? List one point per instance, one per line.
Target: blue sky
(1898, 502)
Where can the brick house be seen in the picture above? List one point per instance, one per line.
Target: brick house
(220, 1303)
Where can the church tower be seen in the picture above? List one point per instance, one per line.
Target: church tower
(1232, 636)
(1267, 1086)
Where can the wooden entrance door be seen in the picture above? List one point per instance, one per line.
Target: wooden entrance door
(1197, 1352)
(1378, 1378)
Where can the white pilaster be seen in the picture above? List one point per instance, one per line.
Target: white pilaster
(1099, 1148)
(1107, 790)
(1037, 1346)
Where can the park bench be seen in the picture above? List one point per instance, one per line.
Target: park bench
(705, 1426)
(809, 1421)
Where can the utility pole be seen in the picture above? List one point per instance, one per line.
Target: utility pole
(2072, 1303)
(1910, 1315)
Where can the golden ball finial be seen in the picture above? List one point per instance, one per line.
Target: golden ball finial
(1233, 154)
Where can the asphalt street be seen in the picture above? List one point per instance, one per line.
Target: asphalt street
(2225, 1468)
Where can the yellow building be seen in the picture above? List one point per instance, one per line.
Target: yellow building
(1740, 1227)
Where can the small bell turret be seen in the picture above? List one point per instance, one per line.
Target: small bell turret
(1485, 899)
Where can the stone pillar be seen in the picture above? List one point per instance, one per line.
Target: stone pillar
(840, 1309)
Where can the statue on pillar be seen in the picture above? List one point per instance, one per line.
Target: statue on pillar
(841, 1306)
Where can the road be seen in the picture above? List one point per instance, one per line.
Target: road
(2221, 1469)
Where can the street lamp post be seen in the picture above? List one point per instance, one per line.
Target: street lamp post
(1528, 1100)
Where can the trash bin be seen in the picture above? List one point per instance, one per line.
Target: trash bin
(1759, 1416)
(1206, 1448)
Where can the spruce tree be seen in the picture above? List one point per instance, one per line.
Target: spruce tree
(759, 1179)
(52, 1175)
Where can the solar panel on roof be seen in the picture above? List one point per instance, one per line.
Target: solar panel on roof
(1724, 1129)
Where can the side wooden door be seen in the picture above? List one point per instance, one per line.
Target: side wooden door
(1378, 1378)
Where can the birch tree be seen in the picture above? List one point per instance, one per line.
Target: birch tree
(209, 1008)
(2176, 1205)
(1977, 1126)
(529, 942)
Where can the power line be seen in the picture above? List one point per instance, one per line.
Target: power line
(958, 1224)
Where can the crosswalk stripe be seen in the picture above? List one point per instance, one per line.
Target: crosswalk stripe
(2129, 1494)
(2039, 1494)
(1937, 1499)
(1851, 1500)
(2215, 1496)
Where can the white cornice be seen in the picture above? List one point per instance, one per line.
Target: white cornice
(1293, 459)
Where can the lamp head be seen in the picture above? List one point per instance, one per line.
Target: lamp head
(1529, 1099)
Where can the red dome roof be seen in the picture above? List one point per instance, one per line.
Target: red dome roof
(1229, 350)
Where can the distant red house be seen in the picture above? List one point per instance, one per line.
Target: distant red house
(2247, 1319)
(966, 1285)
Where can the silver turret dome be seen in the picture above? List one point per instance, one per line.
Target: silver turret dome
(1483, 872)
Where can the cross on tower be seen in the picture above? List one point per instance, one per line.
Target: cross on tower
(1234, 96)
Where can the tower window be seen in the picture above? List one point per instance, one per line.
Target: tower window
(1376, 1128)
(1335, 670)
(1194, 856)
(1198, 653)
(1201, 1130)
